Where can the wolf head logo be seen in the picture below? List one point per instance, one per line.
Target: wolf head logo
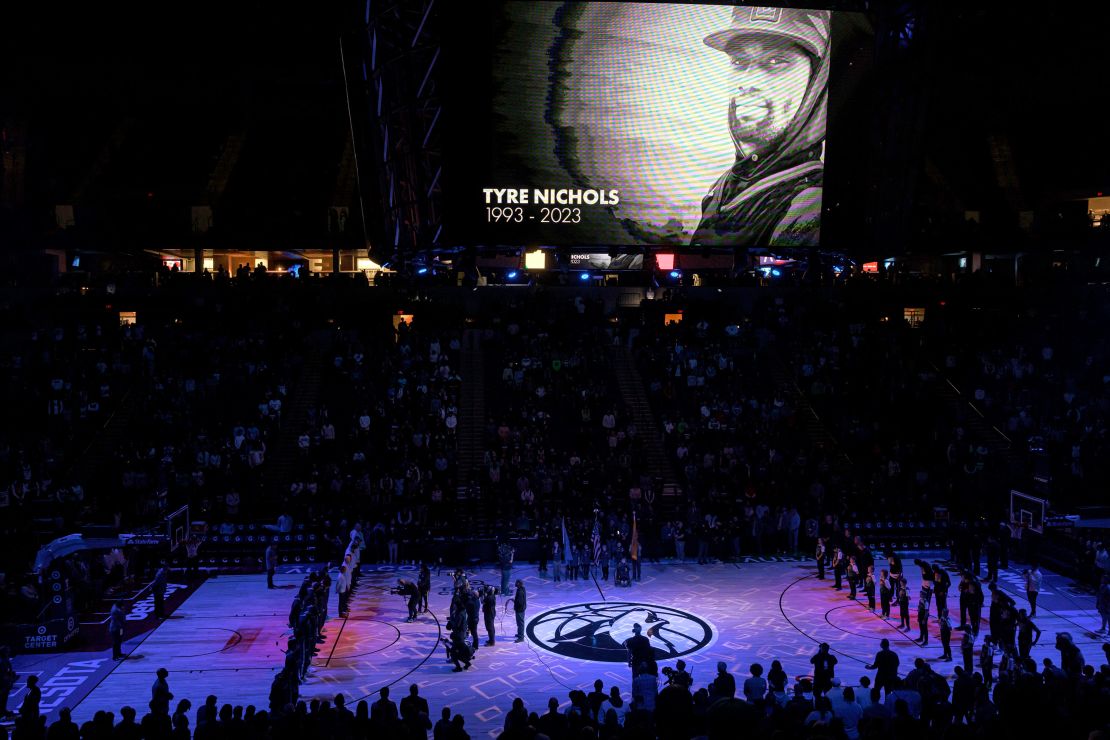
(599, 631)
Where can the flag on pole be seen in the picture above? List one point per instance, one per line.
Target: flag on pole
(595, 540)
(634, 548)
(566, 542)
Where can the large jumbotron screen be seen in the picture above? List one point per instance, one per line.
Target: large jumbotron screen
(637, 124)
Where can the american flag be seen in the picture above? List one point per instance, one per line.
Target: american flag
(595, 541)
(566, 542)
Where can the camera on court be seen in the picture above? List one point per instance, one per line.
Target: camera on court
(404, 588)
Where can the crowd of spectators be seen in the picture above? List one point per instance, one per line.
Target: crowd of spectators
(1015, 698)
(207, 380)
(1038, 372)
(870, 383)
(1030, 413)
(751, 475)
(211, 395)
(1035, 369)
(733, 390)
(211, 379)
(210, 408)
(561, 447)
(64, 376)
(382, 440)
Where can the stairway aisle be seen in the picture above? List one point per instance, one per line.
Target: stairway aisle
(282, 457)
(94, 466)
(635, 398)
(979, 428)
(814, 428)
(472, 424)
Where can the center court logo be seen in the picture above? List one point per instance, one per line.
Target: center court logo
(597, 631)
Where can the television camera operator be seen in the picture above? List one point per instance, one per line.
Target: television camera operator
(411, 592)
(678, 676)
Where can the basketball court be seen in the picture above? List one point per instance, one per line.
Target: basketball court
(227, 638)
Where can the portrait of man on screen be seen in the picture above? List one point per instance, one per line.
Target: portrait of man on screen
(776, 109)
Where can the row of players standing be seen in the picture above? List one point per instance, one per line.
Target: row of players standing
(307, 615)
(1012, 630)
